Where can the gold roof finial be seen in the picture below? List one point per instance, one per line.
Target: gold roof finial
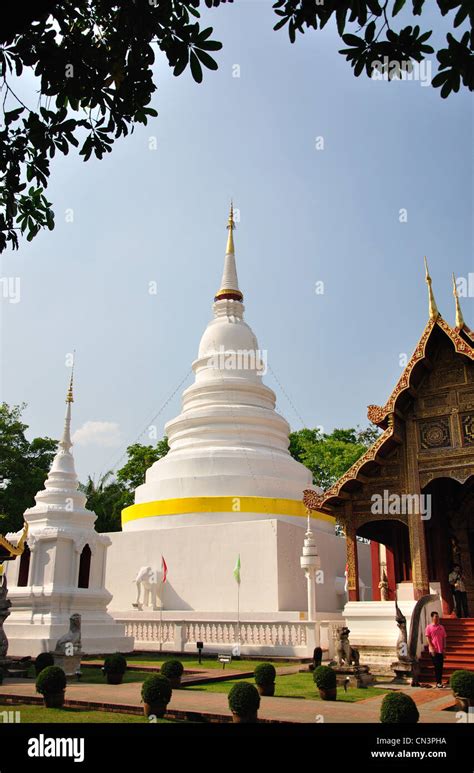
(229, 282)
(230, 227)
(459, 317)
(434, 313)
(69, 396)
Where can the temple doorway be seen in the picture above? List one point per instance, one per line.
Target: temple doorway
(450, 536)
(390, 554)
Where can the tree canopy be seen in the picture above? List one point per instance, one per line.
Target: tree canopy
(110, 494)
(24, 466)
(94, 60)
(329, 456)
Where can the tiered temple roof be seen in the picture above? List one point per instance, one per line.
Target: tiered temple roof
(462, 338)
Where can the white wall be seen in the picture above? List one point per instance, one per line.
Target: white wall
(201, 560)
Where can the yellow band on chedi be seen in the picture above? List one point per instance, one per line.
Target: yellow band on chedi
(268, 505)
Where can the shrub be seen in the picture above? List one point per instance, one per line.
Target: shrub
(264, 674)
(244, 699)
(43, 660)
(51, 680)
(172, 669)
(115, 664)
(462, 683)
(325, 677)
(398, 708)
(156, 689)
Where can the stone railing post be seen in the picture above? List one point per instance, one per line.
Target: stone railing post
(179, 635)
(312, 638)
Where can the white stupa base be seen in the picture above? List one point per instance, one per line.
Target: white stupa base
(201, 558)
(38, 620)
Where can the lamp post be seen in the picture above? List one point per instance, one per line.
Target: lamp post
(310, 563)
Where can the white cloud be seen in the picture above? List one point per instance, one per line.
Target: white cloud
(98, 433)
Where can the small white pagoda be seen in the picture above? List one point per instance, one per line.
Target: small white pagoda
(62, 569)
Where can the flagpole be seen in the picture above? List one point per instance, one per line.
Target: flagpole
(164, 570)
(161, 616)
(238, 612)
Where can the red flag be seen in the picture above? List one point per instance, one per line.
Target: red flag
(164, 569)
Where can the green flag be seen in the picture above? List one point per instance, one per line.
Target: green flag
(237, 570)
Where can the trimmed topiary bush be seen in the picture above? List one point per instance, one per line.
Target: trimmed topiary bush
(325, 678)
(114, 668)
(265, 676)
(398, 708)
(43, 660)
(172, 669)
(51, 683)
(156, 694)
(462, 683)
(244, 702)
(264, 673)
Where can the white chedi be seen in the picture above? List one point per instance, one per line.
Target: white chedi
(62, 571)
(228, 440)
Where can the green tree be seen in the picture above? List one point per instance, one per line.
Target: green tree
(140, 458)
(95, 58)
(329, 456)
(109, 494)
(106, 497)
(24, 466)
(382, 46)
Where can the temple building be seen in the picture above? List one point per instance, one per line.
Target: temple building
(412, 493)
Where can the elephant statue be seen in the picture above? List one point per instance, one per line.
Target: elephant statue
(149, 580)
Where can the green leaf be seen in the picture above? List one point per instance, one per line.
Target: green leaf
(398, 6)
(461, 14)
(207, 60)
(370, 32)
(353, 40)
(210, 45)
(341, 14)
(281, 23)
(196, 69)
(181, 64)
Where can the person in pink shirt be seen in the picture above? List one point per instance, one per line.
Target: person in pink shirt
(436, 635)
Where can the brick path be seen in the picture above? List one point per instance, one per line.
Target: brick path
(214, 705)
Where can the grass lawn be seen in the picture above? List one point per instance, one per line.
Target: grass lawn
(297, 686)
(29, 713)
(190, 662)
(95, 676)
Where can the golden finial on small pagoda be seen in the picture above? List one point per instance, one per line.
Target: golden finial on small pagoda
(434, 313)
(230, 227)
(69, 396)
(459, 317)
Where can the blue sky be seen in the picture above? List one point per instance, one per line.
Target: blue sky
(307, 216)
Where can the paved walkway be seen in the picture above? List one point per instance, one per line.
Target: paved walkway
(214, 706)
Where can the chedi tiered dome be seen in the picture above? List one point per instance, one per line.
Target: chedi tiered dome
(228, 457)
